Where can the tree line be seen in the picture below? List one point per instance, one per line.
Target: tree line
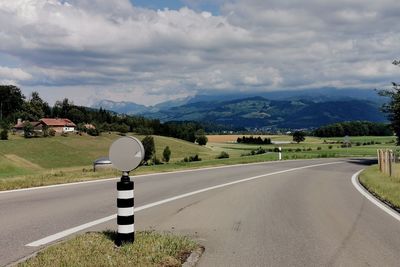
(14, 105)
(253, 140)
(354, 128)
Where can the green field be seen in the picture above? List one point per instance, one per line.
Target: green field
(35, 155)
(44, 161)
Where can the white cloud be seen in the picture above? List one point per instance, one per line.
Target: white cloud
(14, 74)
(115, 50)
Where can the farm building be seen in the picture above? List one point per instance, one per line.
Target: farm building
(19, 127)
(59, 125)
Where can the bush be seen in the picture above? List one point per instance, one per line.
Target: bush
(319, 148)
(309, 149)
(149, 147)
(64, 134)
(93, 132)
(223, 155)
(330, 147)
(28, 130)
(156, 161)
(202, 140)
(299, 136)
(358, 144)
(166, 154)
(298, 149)
(4, 135)
(45, 131)
(192, 158)
(122, 128)
(52, 132)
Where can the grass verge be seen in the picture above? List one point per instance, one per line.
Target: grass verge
(97, 249)
(384, 187)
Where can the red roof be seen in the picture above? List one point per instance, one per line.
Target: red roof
(58, 122)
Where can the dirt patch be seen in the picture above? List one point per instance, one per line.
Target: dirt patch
(21, 162)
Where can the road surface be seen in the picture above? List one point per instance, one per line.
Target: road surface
(291, 213)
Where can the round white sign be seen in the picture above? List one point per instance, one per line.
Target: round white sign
(126, 153)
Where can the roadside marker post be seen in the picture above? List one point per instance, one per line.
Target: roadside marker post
(280, 153)
(126, 153)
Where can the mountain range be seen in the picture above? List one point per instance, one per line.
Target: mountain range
(284, 109)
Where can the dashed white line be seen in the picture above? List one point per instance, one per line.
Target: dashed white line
(70, 231)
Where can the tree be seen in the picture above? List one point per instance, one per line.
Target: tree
(392, 108)
(36, 108)
(299, 136)
(75, 115)
(28, 130)
(201, 137)
(4, 132)
(11, 100)
(149, 147)
(166, 154)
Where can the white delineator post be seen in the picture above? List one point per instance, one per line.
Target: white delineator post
(125, 205)
(280, 153)
(126, 154)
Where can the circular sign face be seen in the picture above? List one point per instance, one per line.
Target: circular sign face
(126, 153)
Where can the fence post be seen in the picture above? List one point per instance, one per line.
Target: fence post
(379, 160)
(390, 162)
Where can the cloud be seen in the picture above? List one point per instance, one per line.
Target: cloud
(118, 51)
(13, 75)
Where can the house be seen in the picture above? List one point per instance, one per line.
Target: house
(59, 125)
(19, 127)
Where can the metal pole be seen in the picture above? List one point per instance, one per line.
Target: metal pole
(125, 216)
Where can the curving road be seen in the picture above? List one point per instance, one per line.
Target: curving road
(291, 213)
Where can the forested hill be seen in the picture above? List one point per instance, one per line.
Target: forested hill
(261, 112)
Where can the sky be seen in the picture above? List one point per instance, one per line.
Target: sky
(148, 51)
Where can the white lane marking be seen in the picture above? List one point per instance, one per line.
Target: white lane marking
(151, 174)
(370, 197)
(70, 231)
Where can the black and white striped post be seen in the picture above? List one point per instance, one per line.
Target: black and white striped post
(126, 154)
(125, 215)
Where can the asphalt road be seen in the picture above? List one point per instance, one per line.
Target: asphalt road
(308, 214)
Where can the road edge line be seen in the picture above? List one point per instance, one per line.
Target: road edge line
(64, 233)
(372, 198)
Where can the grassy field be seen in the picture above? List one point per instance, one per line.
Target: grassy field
(385, 187)
(46, 161)
(97, 249)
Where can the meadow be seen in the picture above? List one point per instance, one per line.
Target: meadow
(53, 160)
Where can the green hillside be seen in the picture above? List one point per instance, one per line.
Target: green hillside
(19, 156)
